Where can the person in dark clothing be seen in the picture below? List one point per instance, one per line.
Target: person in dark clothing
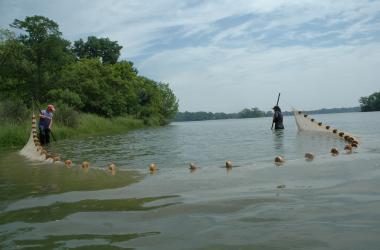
(45, 124)
(277, 118)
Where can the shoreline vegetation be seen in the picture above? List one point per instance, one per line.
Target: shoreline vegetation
(13, 136)
(93, 91)
(250, 113)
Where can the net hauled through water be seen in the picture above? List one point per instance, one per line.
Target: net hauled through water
(306, 123)
(33, 149)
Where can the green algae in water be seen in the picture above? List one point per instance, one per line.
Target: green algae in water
(19, 179)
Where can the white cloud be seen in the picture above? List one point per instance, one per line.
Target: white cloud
(260, 47)
(230, 79)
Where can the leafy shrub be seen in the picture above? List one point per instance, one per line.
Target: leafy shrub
(66, 96)
(13, 111)
(66, 115)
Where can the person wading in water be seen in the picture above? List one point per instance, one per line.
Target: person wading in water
(45, 123)
(277, 118)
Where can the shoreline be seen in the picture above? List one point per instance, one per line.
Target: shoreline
(15, 136)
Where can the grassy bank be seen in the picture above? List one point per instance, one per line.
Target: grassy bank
(14, 136)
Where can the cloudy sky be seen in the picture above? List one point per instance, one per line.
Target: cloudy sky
(228, 55)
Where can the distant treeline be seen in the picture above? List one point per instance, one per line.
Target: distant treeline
(250, 113)
(201, 115)
(37, 65)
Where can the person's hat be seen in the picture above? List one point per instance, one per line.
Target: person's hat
(51, 107)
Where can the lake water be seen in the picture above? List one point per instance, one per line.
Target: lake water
(328, 203)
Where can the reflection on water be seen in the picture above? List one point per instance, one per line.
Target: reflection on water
(278, 140)
(60, 210)
(82, 241)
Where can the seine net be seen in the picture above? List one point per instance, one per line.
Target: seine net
(32, 150)
(306, 123)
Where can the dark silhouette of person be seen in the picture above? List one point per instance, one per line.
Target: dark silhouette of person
(278, 118)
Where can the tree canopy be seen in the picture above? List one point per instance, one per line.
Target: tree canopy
(370, 103)
(39, 63)
(108, 51)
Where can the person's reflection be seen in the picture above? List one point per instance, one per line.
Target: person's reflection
(278, 139)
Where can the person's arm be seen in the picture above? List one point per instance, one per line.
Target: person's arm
(43, 116)
(51, 123)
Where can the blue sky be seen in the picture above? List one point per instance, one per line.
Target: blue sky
(223, 56)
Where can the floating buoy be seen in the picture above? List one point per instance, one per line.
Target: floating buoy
(68, 163)
(335, 131)
(152, 167)
(112, 167)
(309, 156)
(49, 159)
(341, 134)
(228, 164)
(348, 148)
(44, 156)
(192, 166)
(334, 151)
(327, 127)
(279, 160)
(305, 116)
(312, 120)
(320, 123)
(281, 186)
(85, 164)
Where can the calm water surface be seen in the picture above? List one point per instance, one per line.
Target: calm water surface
(329, 203)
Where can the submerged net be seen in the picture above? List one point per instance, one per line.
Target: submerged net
(33, 149)
(306, 123)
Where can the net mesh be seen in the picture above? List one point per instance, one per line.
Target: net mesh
(306, 123)
(32, 149)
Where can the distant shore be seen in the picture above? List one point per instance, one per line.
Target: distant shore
(251, 113)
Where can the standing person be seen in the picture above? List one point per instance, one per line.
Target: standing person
(45, 123)
(277, 118)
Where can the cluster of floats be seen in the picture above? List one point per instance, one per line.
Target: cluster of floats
(35, 151)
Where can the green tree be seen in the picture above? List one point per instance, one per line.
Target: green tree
(370, 103)
(40, 64)
(15, 69)
(168, 103)
(66, 96)
(86, 78)
(107, 50)
(127, 85)
(108, 90)
(47, 51)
